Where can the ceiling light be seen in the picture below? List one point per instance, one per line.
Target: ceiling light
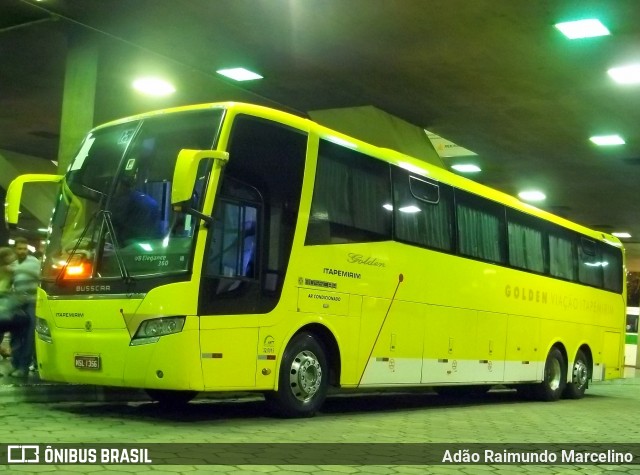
(625, 74)
(532, 195)
(582, 28)
(388, 206)
(604, 140)
(239, 74)
(153, 86)
(466, 168)
(621, 235)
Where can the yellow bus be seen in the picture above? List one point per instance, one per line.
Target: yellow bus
(233, 247)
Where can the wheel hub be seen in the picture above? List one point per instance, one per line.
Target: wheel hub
(305, 375)
(580, 373)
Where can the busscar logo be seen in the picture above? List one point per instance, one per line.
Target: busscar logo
(23, 454)
(93, 288)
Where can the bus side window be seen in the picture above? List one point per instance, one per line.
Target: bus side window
(480, 224)
(527, 243)
(422, 211)
(612, 262)
(562, 255)
(232, 249)
(349, 198)
(590, 263)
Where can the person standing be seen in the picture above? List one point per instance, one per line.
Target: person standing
(7, 257)
(26, 277)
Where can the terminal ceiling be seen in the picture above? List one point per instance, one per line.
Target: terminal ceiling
(493, 76)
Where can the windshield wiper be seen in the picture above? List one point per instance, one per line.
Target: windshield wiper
(124, 272)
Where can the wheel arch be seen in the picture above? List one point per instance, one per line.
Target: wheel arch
(326, 338)
(563, 349)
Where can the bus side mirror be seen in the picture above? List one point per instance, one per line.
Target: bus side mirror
(184, 176)
(14, 194)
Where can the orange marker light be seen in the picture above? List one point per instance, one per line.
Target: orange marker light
(78, 271)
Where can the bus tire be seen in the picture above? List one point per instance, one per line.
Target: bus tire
(555, 377)
(303, 380)
(170, 398)
(580, 377)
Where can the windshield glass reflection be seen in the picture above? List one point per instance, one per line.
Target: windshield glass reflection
(114, 216)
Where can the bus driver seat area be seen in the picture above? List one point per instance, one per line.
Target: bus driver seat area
(239, 257)
(249, 250)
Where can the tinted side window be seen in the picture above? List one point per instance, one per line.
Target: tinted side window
(612, 267)
(480, 223)
(526, 242)
(562, 255)
(590, 263)
(422, 211)
(349, 198)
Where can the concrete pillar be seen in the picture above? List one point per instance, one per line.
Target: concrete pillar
(78, 96)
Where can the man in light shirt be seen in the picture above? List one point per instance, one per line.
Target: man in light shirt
(26, 278)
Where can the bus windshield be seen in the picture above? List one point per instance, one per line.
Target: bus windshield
(113, 218)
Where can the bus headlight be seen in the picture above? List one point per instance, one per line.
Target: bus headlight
(150, 331)
(42, 330)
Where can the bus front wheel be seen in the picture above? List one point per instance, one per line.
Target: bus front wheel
(580, 377)
(303, 380)
(555, 377)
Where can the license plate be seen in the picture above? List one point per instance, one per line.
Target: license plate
(91, 362)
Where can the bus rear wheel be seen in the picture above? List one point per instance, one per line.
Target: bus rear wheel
(303, 380)
(555, 377)
(580, 377)
(171, 398)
